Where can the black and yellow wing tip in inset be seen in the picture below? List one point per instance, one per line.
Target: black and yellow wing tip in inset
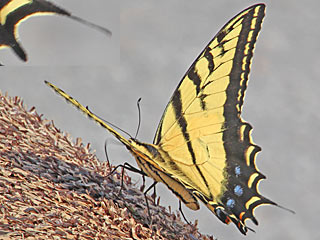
(13, 12)
(9, 41)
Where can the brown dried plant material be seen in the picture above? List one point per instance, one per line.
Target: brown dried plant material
(53, 188)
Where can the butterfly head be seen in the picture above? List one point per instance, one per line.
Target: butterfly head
(136, 146)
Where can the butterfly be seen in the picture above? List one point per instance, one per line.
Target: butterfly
(202, 149)
(13, 12)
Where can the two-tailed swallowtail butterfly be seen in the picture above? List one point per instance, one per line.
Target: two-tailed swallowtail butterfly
(202, 149)
(13, 12)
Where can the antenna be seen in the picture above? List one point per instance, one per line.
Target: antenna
(111, 124)
(139, 122)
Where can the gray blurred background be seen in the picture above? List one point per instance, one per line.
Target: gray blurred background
(157, 42)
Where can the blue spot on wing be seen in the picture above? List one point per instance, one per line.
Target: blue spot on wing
(238, 190)
(230, 203)
(237, 171)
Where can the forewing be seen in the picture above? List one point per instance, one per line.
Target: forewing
(208, 145)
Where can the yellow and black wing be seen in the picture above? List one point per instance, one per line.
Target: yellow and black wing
(13, 12)
(204, 142)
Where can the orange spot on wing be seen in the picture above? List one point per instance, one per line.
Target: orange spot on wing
(241, 215)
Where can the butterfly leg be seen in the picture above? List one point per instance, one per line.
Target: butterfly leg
(180, 210)
(154, 194)
(106, 153)
(143, 183)
(124, 166)
(147, 203)
(128, 167)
